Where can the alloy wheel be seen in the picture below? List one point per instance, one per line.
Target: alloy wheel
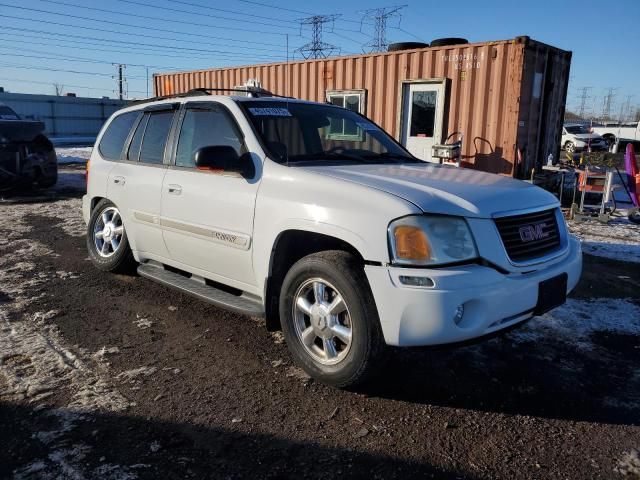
(107, 232)
(322, 321)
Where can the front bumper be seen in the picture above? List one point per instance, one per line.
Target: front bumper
(413, 316)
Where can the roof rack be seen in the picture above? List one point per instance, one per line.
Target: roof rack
(253, 92)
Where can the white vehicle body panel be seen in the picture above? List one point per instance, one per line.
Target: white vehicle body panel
(226, 228)
(625, 132)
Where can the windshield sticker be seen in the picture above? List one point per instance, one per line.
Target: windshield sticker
(270, 112)
(366, 126)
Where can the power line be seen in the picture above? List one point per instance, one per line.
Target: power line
(111, 22)
(49, 22)
(36, 82)
(380, 16)
(208, 7)
(49, 69)
(317, 48)
(129, 14)
(139, 46)
(253, 2)
(82, 46)
(66, 58)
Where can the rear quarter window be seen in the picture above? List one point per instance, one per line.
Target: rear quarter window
(115, 136)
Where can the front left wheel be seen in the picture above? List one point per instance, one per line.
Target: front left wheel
(329, 319)
(107, 240)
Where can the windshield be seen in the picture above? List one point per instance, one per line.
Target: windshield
(577, 129)
(303, 132)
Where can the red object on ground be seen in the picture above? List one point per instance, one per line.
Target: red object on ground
(632, 171)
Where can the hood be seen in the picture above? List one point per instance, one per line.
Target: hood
(444, 190)
(19, 130)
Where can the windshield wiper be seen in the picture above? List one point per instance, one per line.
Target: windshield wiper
(391, 156)
(329, 156)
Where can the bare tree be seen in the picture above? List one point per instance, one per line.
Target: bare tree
(59, 89)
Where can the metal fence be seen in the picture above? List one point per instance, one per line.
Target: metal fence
(64, 117)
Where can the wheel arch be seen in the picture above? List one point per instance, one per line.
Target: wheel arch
(290, 246)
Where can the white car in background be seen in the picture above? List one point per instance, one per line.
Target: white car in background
(578, 138)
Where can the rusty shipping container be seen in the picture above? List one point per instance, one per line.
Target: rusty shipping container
(505, 98)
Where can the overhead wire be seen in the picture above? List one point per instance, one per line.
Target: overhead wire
(172, 20)
(122, 24)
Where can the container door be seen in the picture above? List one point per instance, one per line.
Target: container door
(422, 114)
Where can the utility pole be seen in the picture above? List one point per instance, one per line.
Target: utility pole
(380, 16)
(316, 48)
(584, 96)
(120, 79)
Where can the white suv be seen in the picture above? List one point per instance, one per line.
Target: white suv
(310, 215)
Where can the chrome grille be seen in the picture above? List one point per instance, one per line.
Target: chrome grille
(529, 236)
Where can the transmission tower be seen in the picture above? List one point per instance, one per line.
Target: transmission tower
(625, 109)
(316, 48)
(584, 96)
(606, 104)
(380, 17)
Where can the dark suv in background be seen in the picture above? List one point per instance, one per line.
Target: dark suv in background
(27, 156)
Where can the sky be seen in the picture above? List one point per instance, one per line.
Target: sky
(75, 43)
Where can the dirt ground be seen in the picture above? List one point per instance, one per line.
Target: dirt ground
(105, 376)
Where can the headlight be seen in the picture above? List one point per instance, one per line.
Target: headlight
(430, 240)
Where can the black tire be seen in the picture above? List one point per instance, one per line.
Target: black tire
(445, 42)
(342, 271)
(399, 46)
(121, 261)
(48, 181)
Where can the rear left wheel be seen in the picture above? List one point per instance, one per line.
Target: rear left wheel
(107, 240)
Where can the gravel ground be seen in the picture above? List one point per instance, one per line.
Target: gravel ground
(105, 376)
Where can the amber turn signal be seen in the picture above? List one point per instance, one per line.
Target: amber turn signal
(411, 243)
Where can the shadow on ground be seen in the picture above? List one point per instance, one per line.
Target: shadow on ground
(112, 446)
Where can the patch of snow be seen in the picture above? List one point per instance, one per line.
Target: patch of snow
(35, 359)
(576, 320)
(629, 464)
(133, 374)
(619, 239)
(142, 323)
(73, 154)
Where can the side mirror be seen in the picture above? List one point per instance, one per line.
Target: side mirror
(224, 159)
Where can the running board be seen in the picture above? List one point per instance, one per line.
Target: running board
(244, 304)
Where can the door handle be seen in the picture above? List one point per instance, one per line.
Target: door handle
(174, 189)
(119, 180)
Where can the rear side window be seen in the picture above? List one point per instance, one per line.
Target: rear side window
(116, 135)
(203, 128)
(136, 141)
(155, 137)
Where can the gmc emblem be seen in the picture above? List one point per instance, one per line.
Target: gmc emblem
(529, 233)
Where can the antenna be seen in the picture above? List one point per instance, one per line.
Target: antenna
(316, 48)
(380, 16)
